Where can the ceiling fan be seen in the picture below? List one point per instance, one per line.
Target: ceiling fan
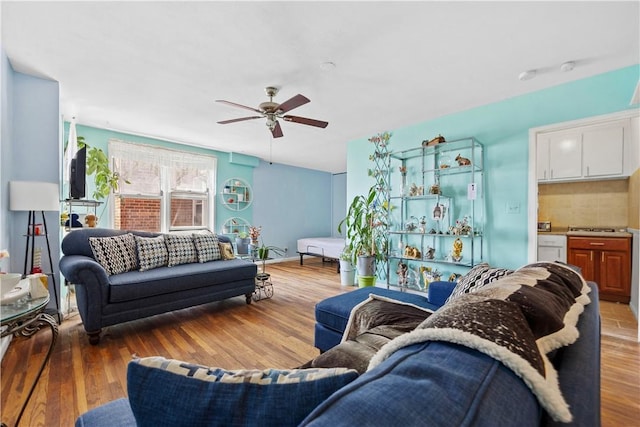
(273, 111)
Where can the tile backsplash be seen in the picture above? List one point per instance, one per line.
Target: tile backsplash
(591, 203)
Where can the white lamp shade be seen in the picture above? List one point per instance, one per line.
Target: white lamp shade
(34, 196)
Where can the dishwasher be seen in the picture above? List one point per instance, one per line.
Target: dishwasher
(552, 247)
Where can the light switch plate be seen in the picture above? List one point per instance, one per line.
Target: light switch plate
(513, 208)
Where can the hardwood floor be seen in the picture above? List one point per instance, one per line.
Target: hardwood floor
(276, 332)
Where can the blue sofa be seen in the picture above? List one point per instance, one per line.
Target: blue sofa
(432, 383)
(105, 300)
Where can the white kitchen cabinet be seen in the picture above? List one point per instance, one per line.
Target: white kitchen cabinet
(565, 155)
(603, 150)
(584, 152)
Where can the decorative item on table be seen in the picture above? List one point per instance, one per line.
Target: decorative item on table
(423, 224)
(412, 252)
(402, 272)
(12, 289)
(456, 251)
(242, 243)
(438, 211)
(430, 254)
(434, 141)
(462, 161)
(415, 190)
(38, 285)
(462, 227)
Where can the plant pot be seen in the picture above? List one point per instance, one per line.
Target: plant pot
(366, 266)
(347, 273)
(366, 281)
(242, 245)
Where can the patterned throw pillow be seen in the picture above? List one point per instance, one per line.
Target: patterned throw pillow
(207, 247)
(152, 252)
(479, 276)
(267, 397)
(117, 254)
(181, 249)
(226, 251)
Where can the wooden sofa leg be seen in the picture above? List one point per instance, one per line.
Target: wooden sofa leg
(94, 337)
(248, 297)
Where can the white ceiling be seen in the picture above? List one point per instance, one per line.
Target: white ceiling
(156, 68)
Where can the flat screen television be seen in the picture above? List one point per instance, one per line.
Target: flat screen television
(78, 175)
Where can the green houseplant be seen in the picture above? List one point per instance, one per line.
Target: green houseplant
(365, 226)
(105, 179)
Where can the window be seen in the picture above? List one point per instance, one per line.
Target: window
(162, 189)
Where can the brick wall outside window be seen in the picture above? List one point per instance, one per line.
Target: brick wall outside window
(137, 214)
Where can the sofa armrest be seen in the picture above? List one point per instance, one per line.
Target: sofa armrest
(92, 287)
(438, 292)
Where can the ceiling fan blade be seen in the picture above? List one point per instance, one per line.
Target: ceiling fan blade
(233, 104)
(306, 121)
(292, 103)
(241, 119)
(277, 130)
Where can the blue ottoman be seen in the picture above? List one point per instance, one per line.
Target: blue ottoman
(332, 314)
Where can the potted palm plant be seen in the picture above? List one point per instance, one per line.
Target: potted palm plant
(365, 226)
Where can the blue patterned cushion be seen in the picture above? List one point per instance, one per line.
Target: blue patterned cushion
(207, 247)
(209, 396)
(181, 249)
(152, 252)
(117, 254)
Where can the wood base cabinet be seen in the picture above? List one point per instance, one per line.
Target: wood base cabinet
(606, 261)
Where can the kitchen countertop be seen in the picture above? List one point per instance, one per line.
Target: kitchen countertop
(598, 233)
(564, 232)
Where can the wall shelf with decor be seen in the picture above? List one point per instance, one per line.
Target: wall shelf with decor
(236, 194)
(235, 225)
(436, 214)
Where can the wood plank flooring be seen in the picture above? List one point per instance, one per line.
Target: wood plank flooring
(276, 332)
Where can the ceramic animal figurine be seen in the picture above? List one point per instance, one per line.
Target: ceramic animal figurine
(402, 273)
(462, 161)
(435, 141)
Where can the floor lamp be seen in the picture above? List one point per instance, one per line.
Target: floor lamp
(36, 197)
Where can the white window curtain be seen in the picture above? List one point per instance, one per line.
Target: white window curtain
(154, 172)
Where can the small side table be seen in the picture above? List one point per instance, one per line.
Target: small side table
(24, 320)
(264, 287)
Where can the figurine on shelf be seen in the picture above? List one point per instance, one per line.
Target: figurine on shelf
(402, 272)
(456, 252)
(462, 161)
(91, 220)
(431, 253)
(435, 141)
(412, 252)
(415, 190)
(423, 224)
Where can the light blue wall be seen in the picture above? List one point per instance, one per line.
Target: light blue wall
(30, 147)
(99, 138)
(290, 203)
(339, 202)
(503, 129)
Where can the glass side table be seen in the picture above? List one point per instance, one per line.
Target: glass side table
(23, 319)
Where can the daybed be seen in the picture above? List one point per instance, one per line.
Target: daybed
(422, 377)
(118, 291)
(328, 248)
